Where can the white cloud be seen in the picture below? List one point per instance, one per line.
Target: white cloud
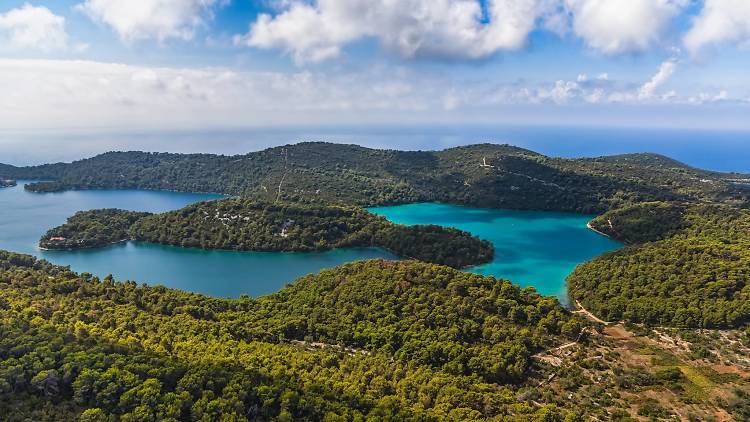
(144, 19)
(63, 93)
(720, 21)
(30, 27)
(67, 94)
(562, 92)
(706, 98)
(620, 26)
(666, 70)
(317, 31)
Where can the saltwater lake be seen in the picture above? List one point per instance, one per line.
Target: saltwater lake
(538, 249)
(533, 248)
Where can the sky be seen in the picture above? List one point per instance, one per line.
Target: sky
(83, 67)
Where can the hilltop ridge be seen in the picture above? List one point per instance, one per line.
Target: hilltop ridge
(484, 175)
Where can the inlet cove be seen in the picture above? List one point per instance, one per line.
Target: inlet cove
(532, 248)
(536, 249)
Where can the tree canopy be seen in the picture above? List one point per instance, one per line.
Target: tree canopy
(247, 225)
(687, 266)
(373, 340)
(92, 229)
(494, 176)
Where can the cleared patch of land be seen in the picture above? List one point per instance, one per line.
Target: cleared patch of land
(633, 373)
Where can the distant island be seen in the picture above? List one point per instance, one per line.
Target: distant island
(246, 225)
(5, 183)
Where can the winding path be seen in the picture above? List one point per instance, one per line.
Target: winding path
(583, 311)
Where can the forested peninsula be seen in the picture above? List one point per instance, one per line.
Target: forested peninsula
(5, 183)
(688, 265)
(91, 229)
(246, 225)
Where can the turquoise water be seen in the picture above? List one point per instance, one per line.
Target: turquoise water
(537, 249)
(533, 248)
(25, 217)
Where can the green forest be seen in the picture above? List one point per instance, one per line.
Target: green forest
(380, 340)
(246, 225)
(492, 176)
(686, 266)
(91, 229)
(373, 340)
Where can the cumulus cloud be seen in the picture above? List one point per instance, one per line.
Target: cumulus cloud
(30, 27)
(151, 19)
(666, 70)
(720, 21)
(619, 26)
(315, 31)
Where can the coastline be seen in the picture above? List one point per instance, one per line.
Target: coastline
(400, 257)
(591, 227)
(77, 189)
(41, 248)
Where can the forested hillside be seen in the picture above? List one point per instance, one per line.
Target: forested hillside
(495, 176)
(688, 266)
(373, 340)
(246, 225)
(644, 222)
(382, 340)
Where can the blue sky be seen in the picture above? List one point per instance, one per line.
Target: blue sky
(119, 65)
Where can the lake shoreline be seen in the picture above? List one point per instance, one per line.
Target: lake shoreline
(591, 227)
(534, 248)
(87, 248)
